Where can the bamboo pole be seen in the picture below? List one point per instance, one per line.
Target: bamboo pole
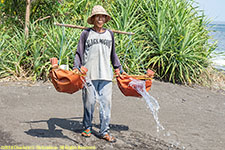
(40, 19)
(80, 27)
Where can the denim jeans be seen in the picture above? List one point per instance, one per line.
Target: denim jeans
(100, 90)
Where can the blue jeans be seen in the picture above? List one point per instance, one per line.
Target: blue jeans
(100, 90)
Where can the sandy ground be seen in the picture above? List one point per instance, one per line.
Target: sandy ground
(37, 115)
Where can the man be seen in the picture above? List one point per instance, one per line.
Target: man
(96, 52)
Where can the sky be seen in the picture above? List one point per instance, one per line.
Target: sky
(214, 9)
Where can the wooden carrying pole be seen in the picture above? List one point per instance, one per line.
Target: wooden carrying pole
(80, 27)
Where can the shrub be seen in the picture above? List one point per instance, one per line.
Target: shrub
(171, 37)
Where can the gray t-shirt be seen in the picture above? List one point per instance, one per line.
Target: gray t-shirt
(96, 52)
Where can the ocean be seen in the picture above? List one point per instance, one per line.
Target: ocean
(219, 54)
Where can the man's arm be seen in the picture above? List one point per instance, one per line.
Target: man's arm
(78, 60)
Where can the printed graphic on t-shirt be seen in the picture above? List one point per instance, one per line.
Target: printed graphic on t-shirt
(92, 42)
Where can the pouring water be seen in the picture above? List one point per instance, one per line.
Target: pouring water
(152, 103)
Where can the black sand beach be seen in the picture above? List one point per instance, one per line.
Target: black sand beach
(37, 115)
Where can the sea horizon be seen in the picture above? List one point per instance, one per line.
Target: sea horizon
(219, 53)
(217, 22)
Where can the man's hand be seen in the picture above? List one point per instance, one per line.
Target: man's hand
(81, 70)
(76, 70)
(124, 73)
(118, 73)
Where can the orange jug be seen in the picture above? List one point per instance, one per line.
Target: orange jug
(124, 81)
(67, 81)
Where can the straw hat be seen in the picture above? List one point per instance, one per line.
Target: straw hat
(98, 10)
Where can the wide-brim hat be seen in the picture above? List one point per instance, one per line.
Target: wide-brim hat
(98, 10)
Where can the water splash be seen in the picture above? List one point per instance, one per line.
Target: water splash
(152, 103)
(87, 83)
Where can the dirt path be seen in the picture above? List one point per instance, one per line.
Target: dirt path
(37, 115)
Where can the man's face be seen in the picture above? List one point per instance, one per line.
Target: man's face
(99, 20)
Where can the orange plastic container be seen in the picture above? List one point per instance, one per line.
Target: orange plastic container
(123, 84)
(68, 81)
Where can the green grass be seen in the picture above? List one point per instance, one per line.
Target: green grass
(171, 38)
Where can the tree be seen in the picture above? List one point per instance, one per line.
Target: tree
(27, 18)
(12, 12)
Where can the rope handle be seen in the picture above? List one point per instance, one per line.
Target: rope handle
(130, 41)
(61, 45)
